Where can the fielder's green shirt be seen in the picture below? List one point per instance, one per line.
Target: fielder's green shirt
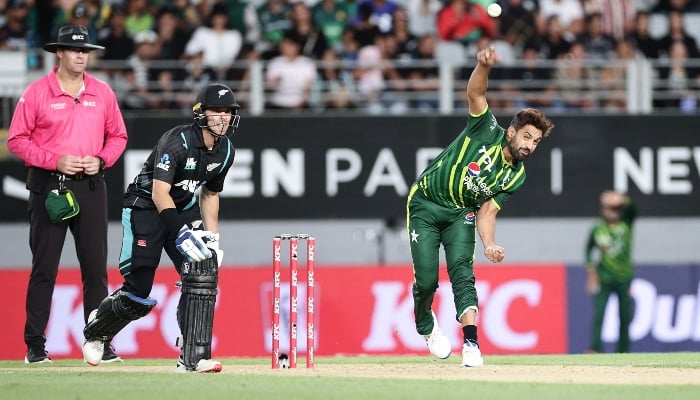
(614, 245)
(473, 167)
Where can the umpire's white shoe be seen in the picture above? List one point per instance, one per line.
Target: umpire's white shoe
(438, 344)
(203, 367)
(93, 351)
(471, 355)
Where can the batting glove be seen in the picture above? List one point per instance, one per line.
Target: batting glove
(212, 241)
(191, 244)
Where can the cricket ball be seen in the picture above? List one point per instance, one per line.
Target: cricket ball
(283, 360)
(494, 10)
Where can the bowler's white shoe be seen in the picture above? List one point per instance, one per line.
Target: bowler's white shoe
(203, 366)
(438, 344)
(93, 351)
(471, 355)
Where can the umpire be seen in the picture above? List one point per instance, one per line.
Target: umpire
(67, 128)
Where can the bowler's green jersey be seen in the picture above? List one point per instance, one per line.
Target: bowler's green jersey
(473, 167)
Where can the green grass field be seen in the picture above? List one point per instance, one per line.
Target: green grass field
(662, 376)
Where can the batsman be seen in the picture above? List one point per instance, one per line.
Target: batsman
(161, 211)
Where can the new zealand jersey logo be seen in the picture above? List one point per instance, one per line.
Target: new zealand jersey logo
(190, 164)
(164, 162)
(188, 185)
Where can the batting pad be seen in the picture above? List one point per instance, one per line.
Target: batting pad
(114, 313)
(196, 313)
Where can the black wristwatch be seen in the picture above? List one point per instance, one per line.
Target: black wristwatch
(102, 164)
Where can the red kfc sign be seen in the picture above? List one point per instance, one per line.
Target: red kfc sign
(358, 310)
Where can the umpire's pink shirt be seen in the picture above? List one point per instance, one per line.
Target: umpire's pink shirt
(49, 123)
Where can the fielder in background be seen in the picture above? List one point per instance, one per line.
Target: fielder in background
(612, 270)
(67, 128)
(462, 191)
(161, 211)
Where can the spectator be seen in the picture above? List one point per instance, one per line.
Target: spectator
(406, 41)
(663, 6)
(554, 43)
(90, 13)
(642, 39)
(570, 13)
(274, 21)
(332, 16)
(166, 85)
(518, 24)
(599, 45)
(313, 41)
(290, 76)
(465, 22)
(617, 15)
(197, 77)
(15, 33)
(677, 33)
(335, 84)
(172, 36)
(425, 77)
(678, 81)
(381, 13)
(189, 16)
(138, 17)
(422, 15)
(366, 31)
(369, 78)
(575, 77)
(243, 18)
(119, 46)
(614, 76)
(79, 15)
(529, 83)
(240, 73)
(220, 45)
(349, 46)
(394, 99)
(141, 63)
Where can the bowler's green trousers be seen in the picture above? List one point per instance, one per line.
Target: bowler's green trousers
(430, 225)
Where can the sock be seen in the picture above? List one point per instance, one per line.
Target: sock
(470, 333)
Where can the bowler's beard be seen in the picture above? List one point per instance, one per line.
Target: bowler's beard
(518, 153)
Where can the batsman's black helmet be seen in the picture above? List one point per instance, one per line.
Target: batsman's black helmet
(215, 95)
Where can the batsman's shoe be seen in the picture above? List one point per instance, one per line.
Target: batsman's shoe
(438, 344)
(471, 355)
(203, 367)
(93, 350)
(109, 356)
(37, 355)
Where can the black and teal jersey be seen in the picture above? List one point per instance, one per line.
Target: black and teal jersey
(473, 168)
(181, 159)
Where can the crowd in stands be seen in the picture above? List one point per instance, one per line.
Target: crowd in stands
(364, 53)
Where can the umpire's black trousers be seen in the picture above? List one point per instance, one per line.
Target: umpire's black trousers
(46, 240)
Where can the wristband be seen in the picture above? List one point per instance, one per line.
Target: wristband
(102, 164)
(172, 219)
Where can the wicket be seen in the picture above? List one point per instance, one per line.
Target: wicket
(293, 283)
